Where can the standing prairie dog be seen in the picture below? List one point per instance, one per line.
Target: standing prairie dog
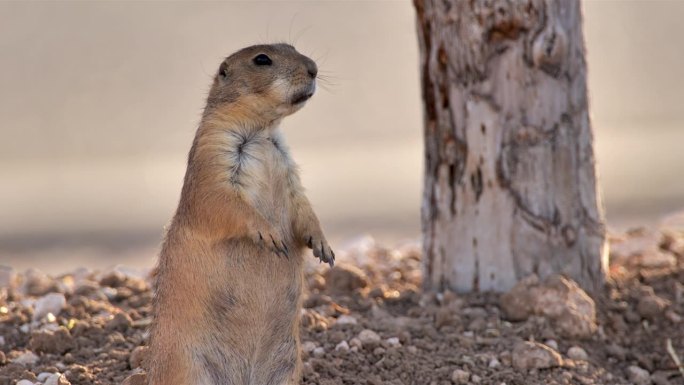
(229, 278)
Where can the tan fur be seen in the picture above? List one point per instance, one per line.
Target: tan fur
(229, 277)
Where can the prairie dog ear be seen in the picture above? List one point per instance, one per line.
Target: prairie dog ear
(223, 70)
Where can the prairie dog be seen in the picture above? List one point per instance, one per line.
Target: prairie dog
(229, 277)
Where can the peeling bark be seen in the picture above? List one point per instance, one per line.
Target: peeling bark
(510, 180)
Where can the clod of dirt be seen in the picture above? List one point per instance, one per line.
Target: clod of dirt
(50, 303)
(638, 375)
(120, 322)
(560, 300)
(369, 338)
(459, 376)
(37, 283)
(345, 279)
(533, 355)
(651, 306)
(52, 341)
(577, 353)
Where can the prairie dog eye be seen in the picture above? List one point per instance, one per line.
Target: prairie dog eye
(262, 60)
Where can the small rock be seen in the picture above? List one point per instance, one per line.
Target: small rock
(3, 359)
(412, 350)
(136, 379)
(57, 379)
(120, 322)
(651, 306)
(25, 382)
(52, 341)
(343, 346)
(41, 377)
(459, 376)
(560, 300)
(346, 320)
(318, 352)
(476, 379)
(494, 363)
(552, 344)
(379, 351)
(533, 355)
(37, 283)
(2, 341)
(577, 353)
(638, 375)
(26, 359)
(393, 342)
(308, 347)
(369, 338)
(356, 343)
(113, 279)
(345, 279)
(616, 351)
(50, 303)
(138, 357)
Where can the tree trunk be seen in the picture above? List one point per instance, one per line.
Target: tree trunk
(510, 181)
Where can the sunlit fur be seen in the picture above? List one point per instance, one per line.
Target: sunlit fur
(226, 303)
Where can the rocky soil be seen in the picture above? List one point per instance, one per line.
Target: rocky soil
(366, 322)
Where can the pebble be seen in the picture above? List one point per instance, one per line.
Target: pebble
(651, 306)
(2, 341)
(25, 382)
(50, 303)
(308, 347)
(342, 346)
(494, 363)
(56, 341)
(369, 337)
(120, 322)
(356, 343)
(475, 378)
(638, 376)
(345, 279)
(26, 359)
(346, 320)
(577, 353)
(393, 342)
(533, 355)
(57, 379)
(552, 344)
(37, 283)
(43, 376)
(318, 352)
(3, 359)
(459, 376)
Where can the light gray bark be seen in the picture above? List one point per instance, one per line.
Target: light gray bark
(510, 180)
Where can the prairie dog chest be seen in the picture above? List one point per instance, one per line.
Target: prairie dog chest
(260, 164)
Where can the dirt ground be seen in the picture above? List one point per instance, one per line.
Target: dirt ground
(366, 322)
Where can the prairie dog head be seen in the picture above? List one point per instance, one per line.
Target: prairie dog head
(270, 80)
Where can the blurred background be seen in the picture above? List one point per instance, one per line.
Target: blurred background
(99, 102)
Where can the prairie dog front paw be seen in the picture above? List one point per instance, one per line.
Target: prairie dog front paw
(321, 249)
(271, 239)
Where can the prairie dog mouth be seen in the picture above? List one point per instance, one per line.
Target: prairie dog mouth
(304, 95)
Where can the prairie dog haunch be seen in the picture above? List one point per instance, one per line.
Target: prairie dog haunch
(229, 277)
